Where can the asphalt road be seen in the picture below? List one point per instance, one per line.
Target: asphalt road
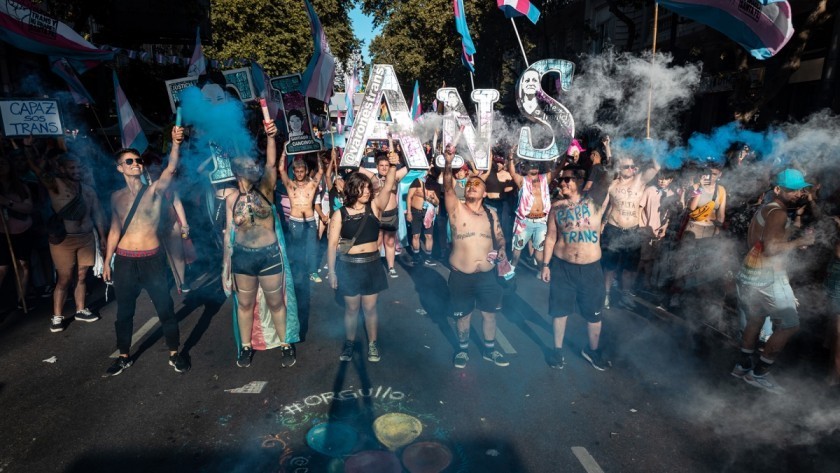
(667, 405)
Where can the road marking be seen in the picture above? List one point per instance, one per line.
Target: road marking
(139, 334)
(504, 343)
(585, 459)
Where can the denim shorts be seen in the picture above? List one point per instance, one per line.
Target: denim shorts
(775, 301)
(534, 231)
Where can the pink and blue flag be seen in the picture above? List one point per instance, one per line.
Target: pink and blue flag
(514, 8)
(416, 108)
(317, 81)
(63, 69)
(263, 85)
(461, 26)
(351, 83)
(198, 64)
(762, 27)
(130, 131)
(467, 59)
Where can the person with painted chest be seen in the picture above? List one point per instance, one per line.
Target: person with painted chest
(353, 255)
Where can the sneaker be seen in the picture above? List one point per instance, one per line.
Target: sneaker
(373, 352)
(288, 356)
(179, 362)
(496, 357)
(117, 367)
(184, 289)
(57, 323)
(765, 381)
(429, 262)
(393, 273)
(595, 359)
(86, 315)
(244, 358)
(556, 359)
(315, 278)
(461, 359)
(739, 371)
(346, 351)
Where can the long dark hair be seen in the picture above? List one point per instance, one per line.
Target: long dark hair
(353, 188)
(16, 185)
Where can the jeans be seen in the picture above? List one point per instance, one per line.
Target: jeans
(304, 237)
(130, 275)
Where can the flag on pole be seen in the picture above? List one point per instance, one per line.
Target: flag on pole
(416, 107)
(466, 40)
(198, 64)
(317, 81)
(262, 83)
(63, 69)
(514, 8)
(130, 130)
(434, 105)
(762, 29)
(350, 84)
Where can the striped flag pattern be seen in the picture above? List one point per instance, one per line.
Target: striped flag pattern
(317, 81)
(416, 107)
(514, 8)
(130, 131)
(63, 69)
(467, 45)
(198, 64)
(351, 82)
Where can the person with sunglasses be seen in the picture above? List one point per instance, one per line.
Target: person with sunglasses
(139, 261)
(477, 244)
(621, 239)
(572, 266)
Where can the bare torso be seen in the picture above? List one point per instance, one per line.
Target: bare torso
(625, 197)
(472, 240)
(252, 218)
(378, 181)
(578, 231)
(141, 233)
(302, 198)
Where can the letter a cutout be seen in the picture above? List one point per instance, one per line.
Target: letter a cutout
(367, 126)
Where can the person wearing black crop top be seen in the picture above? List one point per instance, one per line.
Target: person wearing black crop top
(358, 275)
(256, 259)
(500, 188)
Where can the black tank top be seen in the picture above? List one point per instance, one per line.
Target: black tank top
(493, 185)
(350, 225)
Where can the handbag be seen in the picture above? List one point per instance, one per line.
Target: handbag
(344, 244)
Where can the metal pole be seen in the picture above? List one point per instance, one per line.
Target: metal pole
(652, 62)
(14, 262)
(522, 48)
(472, 80)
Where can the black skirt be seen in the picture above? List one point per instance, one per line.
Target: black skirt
(357, 278)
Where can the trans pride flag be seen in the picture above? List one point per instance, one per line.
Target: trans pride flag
(198, 64)
(416, 107)
(467, 45)
(130, 130)
(63, 69)
(763, 27)
(513, 8)
(317, 81)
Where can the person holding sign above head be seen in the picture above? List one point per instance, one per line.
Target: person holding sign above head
(303, 219)
(353, 255)
(139, 261)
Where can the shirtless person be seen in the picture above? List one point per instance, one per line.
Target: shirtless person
(622, 239)
(532, 208)
(472, 279)
(303, 223)
(419, 198)
(572, 265)
(139, 260)
(389, 221)
(78, 207)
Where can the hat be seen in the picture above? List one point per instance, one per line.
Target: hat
(575, 146)
(792, 179)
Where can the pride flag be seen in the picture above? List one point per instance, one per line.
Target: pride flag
(514, 8)
(351, 83)
(762, 27)
(63, 69)
(130, 131)
(416, 107)
(198, 64)
(317, 81)
(464, 31)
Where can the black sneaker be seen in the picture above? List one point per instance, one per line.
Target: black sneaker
(595, 359)
(244, 358)
(429, 262)
(288, 356)
(461, 359)
(57, 323)
(556, 359)
(346, 351)
(86, 315)
(117, 367)
(496, 357)
(179, 362)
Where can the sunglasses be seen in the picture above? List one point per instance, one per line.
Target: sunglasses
(474, 183)
(568, 179)
(628, 166)
(131, 161)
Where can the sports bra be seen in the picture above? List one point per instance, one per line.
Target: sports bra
(493, 184)
(350, 225)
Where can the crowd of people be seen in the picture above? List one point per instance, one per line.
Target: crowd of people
(719, 233)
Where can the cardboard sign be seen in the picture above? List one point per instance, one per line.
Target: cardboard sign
(238, 79)
(544, 110)
(222, 171)
(455, 114)
(37, 117)
(384, 111)
(296, 118)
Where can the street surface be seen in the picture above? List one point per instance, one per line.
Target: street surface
(667, 405)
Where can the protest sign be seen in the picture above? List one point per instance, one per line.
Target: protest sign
(455, 116)
(556, 121)
(36, 117)
(296, 117)
(238, 79)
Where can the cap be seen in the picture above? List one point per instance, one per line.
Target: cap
(575, 146)
(792, 179)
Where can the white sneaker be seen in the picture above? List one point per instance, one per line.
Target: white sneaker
(765, 381)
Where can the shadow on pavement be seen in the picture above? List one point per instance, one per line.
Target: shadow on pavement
(433, 291)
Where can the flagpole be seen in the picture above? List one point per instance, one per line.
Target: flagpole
(522, 48)
(472, 80)
(652, 63)
(14, 263)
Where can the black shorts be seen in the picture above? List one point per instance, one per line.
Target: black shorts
(389, 220)
(21, 244)
(576, 289)
(360, 274)
(621, 248)
(468, 291)
(262, 261)
(417, 217)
